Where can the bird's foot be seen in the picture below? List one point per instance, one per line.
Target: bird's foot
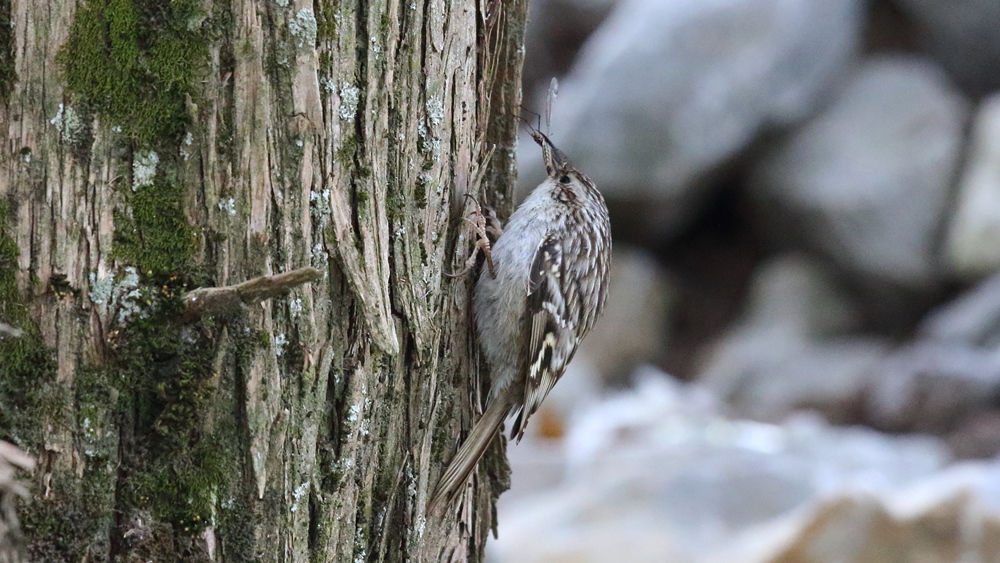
(484, 225)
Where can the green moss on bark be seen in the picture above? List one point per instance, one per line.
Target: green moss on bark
(135, 62)
(153, 233)
(67, 523)
(72, 523)
(147, 409)
(7, 72)
(171, 466)
(29, 395)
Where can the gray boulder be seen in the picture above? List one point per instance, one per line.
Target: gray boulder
(867, 182)
(971, 320)
(633, 328)
(792, 351)
(973, 244)
(947, 381)
(933, 387)
(665, 93)
(656, 474)
(953, 515)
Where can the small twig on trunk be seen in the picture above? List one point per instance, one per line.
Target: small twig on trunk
(215, 300)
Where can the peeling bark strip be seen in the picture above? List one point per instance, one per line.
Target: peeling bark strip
(368, 269)
(156, 147)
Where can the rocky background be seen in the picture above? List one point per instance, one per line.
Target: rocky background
(800, 360)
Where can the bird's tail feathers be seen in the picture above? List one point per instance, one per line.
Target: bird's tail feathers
(469, 454)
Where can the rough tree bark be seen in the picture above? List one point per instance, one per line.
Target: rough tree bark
(154, 148)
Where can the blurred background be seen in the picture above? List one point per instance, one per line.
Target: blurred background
(800, 357)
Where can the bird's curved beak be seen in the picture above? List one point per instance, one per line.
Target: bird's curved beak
(556, 161)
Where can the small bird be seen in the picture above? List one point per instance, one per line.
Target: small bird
(548, 285)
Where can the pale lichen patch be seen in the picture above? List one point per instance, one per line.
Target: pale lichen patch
(67, 121)
(228, 206)
(320, 257)
(122, 294)
(144, 169)
(348, 101)
(295, 307)
(186, 147)
(303, 27)
(435, 110)
(297, 495)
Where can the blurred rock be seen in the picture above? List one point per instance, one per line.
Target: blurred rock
(798, 295)
(540, 464)
(932, 387)
(947, 381)
(615, 420)
(791, 352)
(633, 329)
(665, 93)
(867, 182)
(962, 34)
(973, 245)
(972, 320)
(656, 476)
(762, 380)
(976, 437)
(556, 30)
(951, 516)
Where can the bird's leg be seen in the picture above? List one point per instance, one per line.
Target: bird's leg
(484, 224)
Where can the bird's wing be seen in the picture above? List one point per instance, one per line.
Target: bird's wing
(550, 341)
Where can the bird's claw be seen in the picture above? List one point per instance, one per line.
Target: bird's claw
(485, 224)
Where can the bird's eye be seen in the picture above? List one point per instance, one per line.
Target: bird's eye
(564, 180)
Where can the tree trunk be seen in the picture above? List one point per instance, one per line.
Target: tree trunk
(158, 147)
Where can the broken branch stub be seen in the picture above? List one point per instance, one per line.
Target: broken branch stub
(217, 300)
